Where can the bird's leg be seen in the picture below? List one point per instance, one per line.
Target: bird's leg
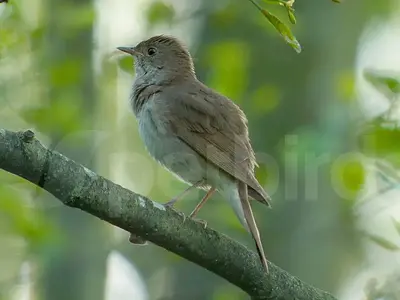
(181, 195)
(210, 192)
(202, 202)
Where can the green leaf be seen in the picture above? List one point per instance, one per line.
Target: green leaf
(284, 30)
(291, 16)
(384, 243)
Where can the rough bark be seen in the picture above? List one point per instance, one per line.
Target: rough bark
(76, 186)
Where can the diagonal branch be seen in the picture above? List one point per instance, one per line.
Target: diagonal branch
(76, 186)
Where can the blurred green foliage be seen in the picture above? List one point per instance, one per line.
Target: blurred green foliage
(383, 242)
(352, 175)
(385, 290)
(381, 136)
(126, 64)
(232, 81)
(48, 82)
(380, 141)
(22, 219)
(160, 12)
(66, 112)
(383, 82)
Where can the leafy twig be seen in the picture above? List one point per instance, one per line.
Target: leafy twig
(284, 30)
(281, 27)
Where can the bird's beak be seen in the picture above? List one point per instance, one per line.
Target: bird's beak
(129, 50)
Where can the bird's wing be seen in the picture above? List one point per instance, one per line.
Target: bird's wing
(219, 134)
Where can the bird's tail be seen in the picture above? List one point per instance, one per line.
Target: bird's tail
(247, 219)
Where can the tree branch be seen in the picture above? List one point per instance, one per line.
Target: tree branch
(76, 186)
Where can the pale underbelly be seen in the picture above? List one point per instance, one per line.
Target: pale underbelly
(179, 158)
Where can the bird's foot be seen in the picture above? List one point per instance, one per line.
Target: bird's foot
(170, 204)
(203, 222)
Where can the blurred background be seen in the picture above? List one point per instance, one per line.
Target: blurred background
(323, 123)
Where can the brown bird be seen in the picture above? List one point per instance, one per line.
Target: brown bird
(196, 133)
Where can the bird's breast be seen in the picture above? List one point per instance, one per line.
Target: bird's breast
(152, 132)
(161, 143)
(166, 148)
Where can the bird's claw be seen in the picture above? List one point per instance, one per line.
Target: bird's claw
(183, 215)
(204, 223)
(170, 204)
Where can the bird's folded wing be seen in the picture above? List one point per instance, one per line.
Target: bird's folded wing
(207, 130)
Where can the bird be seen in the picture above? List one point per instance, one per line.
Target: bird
(196, 133)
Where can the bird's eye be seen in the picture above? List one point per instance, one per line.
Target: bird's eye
(151, 51)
